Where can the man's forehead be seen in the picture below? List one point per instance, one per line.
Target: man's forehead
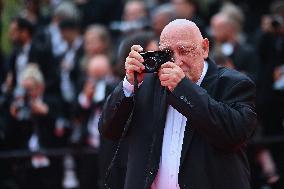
(178, 45)
(179, 30)
(175, 32)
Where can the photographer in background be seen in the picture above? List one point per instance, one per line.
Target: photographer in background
(188, 120)
(135, 17)
(32, 127)
(30, 46)
(228, 40)
(97, 85)
(270, 90)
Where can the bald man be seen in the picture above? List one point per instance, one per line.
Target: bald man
(191, 120)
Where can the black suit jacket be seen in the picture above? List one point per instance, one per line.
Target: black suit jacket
(84, 114)
(220, 119)
(19, 132)
(40, 54)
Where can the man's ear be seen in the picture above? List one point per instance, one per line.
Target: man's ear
(205, 48)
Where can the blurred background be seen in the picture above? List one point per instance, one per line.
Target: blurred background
(59, 59)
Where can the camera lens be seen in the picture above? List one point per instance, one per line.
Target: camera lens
(151, 64)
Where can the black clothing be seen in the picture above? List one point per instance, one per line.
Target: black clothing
(221, 118)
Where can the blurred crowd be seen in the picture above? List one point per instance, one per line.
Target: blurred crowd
(67, 56)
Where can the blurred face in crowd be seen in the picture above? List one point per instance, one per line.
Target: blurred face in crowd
(189, 49)
(32, 5)
(134, 10)
(69, 34)
(33, 88)
(159, 21)
(94, 44)
(14, 32)
(17, 35)
(184, 8)
(152, 46)
(98, 67)
(220, 27)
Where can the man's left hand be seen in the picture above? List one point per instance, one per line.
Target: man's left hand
(39, 108)
(170, 75)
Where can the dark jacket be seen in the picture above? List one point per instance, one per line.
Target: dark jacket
(220, 119)
(40, 53)
(19, 132)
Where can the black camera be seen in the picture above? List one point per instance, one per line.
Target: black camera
(22, 104)
(154, 59)
(23, 110)
(277, 22)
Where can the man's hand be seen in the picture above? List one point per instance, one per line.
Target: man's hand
(170, 75)
(39, 108)
(13, 110)
(89, 89)
(133, 64)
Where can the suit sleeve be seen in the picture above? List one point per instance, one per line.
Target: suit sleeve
(226, 123)
(115, 114)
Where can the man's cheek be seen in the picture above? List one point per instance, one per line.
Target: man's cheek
(185, 67)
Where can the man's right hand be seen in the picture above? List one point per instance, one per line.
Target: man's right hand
(133, 64)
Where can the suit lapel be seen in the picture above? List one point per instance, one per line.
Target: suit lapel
(189, 130)
(188, 134)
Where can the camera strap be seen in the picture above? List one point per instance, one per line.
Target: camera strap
(135, 86)
(126, 127)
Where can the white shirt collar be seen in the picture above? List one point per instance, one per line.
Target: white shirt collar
(204, 71)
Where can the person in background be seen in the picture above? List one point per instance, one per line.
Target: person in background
(189, 9)
(29, 47)
(65, 10)
(32, 127)
(226, 39)
(270, 92)
(135, 17)
(69, 66)
(96, 86)
(96, 41)
(161, 16)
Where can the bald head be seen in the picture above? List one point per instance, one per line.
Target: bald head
(183, 38)
(181, 29)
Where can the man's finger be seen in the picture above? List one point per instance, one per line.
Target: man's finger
(166, 71)
(132, 68)
(137, 48)
(133, 61)
(166, 83)
(136, 55)
(164, 77)
(168, 65)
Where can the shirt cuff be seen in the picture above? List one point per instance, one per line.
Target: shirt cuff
(128, 88)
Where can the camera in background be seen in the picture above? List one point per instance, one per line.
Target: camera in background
(22, 104)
